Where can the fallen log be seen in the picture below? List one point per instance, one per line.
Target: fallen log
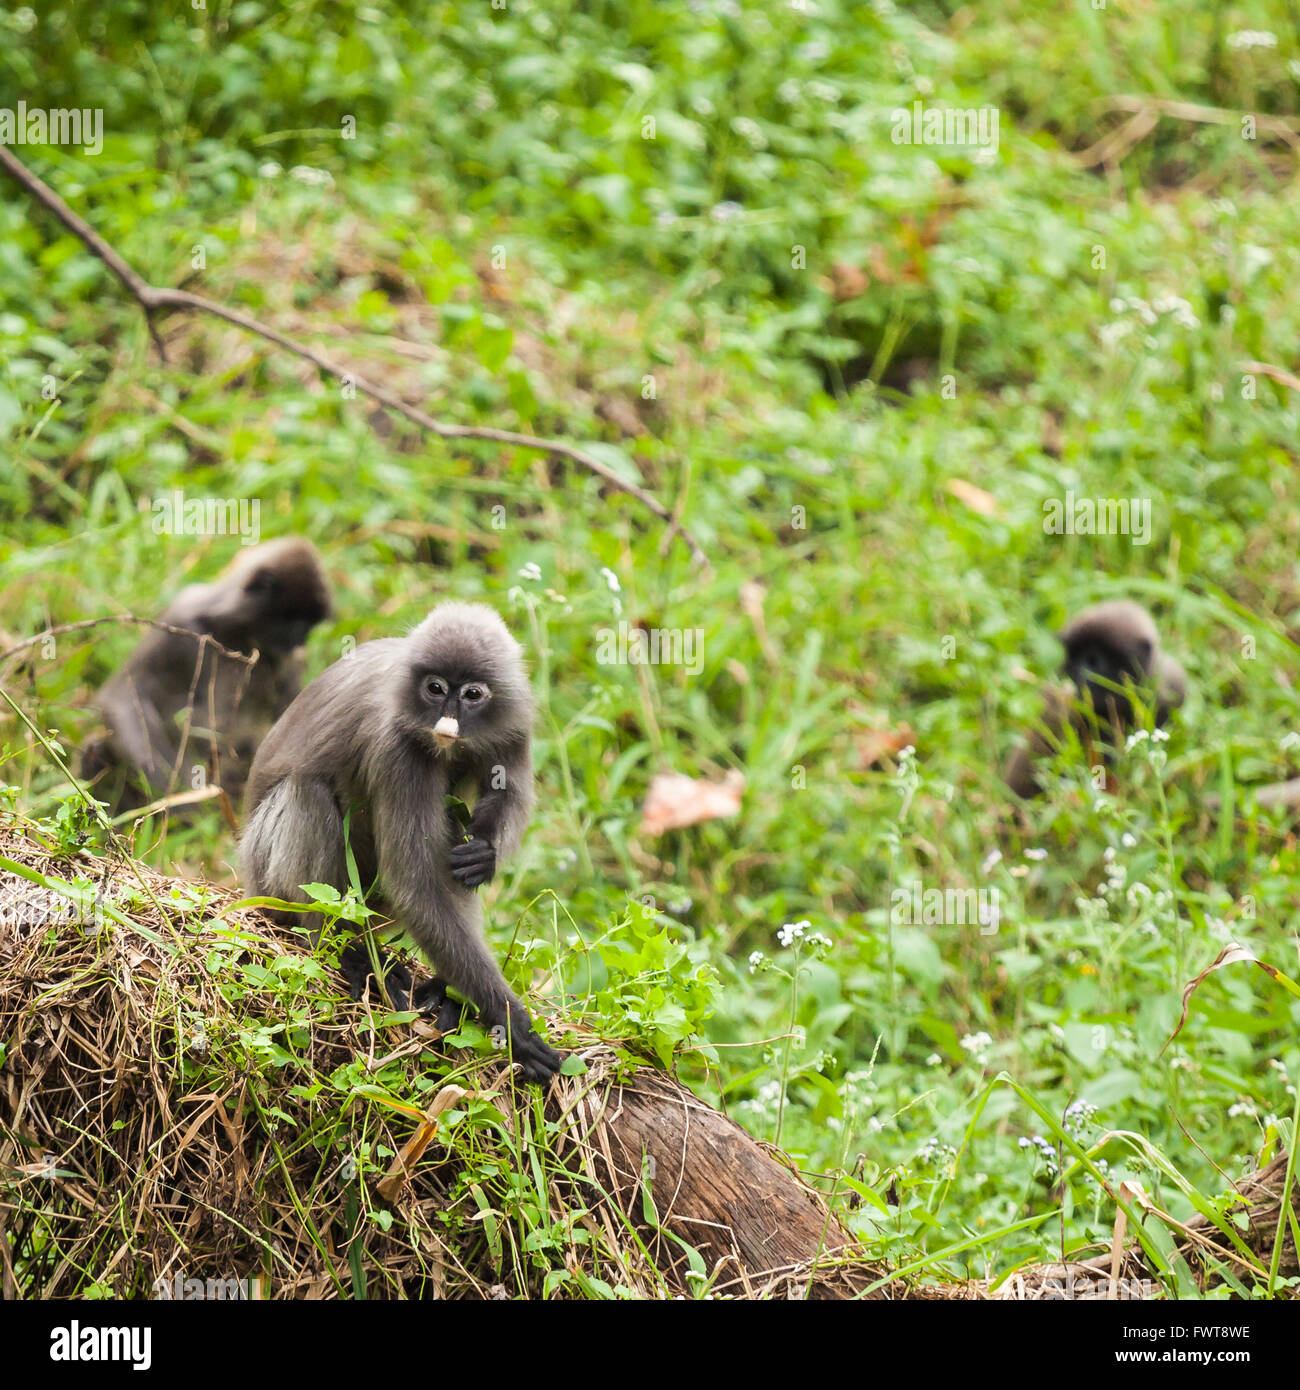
(161, 1127)
(189, 1108)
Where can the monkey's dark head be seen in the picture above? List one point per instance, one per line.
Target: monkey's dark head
(273, 595)
(467, 688)
(1107, 646)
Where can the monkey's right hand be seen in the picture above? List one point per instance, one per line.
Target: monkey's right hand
(473, 862)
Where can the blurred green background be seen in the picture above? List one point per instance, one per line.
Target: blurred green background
(682, 233)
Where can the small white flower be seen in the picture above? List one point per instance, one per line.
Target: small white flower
(792, 932)
(1128, 840)
(1036, 854)
(991, 861)
(269, 170)
(530, 572)
(1252, 38)
(314, 178)
(1111, 333)
(611, 579)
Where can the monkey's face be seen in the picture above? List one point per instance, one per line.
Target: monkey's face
(1098, 666)
(282, 609)
(455, 707)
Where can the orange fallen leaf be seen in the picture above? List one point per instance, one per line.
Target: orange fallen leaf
(674, 800)
(974, 497)
(875, 744)
(399, 1171)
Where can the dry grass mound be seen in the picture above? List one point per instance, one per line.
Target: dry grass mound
(189, 1108)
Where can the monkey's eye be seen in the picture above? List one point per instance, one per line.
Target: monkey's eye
(473, 693)
(435, 687)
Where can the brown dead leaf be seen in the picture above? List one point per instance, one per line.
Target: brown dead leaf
(675, 800)
(874, 744)
(621, 413)
(1053, 441)
(848, 281)
(399, 1171)
(974, 497)
(1231, 954)
(752, 595)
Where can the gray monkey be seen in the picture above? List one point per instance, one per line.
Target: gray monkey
(267, 601)
(386, 734)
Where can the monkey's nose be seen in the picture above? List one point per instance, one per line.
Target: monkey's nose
(446, 731)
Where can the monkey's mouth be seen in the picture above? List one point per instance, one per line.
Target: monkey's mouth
(446, 731)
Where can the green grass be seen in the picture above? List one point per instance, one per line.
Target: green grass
(813, 441)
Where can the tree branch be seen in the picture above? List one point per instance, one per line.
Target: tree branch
(154, 300)
(204, 639)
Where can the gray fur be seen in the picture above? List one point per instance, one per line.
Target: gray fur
(266, 602)
(360, 738)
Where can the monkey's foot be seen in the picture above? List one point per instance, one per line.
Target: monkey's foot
(358, 972)
(537, 1059)
(431, 999)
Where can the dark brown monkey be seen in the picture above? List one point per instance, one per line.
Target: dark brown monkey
(1112, 651)
(382, 737)
(179, 702)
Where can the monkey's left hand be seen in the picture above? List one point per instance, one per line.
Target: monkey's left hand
(473, 862)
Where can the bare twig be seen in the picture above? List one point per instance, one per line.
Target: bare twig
(1278, 374)
(203, 638)
(155, 300)
(1112, 148)
(1284, 129)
